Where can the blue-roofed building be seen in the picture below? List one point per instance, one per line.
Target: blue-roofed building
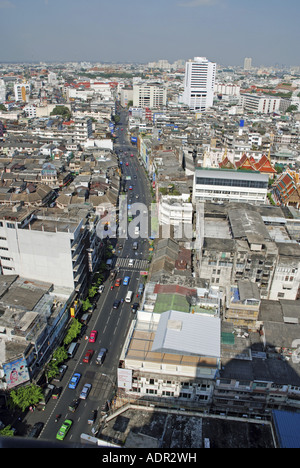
(287, 428)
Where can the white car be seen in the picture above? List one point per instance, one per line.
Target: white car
(101, 289)
(85, 391)
(130, 263)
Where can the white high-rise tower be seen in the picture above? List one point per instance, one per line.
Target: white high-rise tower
(199, 82)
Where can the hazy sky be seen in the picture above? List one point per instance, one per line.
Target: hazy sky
(224, 31)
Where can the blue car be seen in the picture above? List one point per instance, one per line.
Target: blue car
(126, 280)
(74, 380)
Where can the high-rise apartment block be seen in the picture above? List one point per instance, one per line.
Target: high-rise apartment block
(83, 129)
(149, 94)
(247, 63)
(2, 91)
(199, 82)
(22, 91)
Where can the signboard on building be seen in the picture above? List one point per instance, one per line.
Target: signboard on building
(16, 372)
(125, 379)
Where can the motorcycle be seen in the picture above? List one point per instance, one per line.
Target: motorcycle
(58, 416)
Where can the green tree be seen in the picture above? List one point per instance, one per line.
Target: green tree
(93, 290)
(59, 356)
(63, 111)
(86, 304)
(292, 108)
(23, 397)
(73, 331)
(7, 431)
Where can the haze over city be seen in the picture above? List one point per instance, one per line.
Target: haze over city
(226, 31)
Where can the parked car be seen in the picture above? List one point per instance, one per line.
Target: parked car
(56, 393)
(74, 380)
(88, 356)
(92, 417)
(93, 336)
(85, 391)
(135, 307)
(101, 288)
(35, 431)
(62, 370)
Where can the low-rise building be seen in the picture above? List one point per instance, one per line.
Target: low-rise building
(219, 185)
(33, 318)
(173, 355)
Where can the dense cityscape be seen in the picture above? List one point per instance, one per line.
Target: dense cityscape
(149, 254)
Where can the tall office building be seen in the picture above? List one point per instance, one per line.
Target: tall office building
(199, 82)
(247, 63)
(2, 91)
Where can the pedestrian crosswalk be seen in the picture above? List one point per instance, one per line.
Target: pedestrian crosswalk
(135, 264)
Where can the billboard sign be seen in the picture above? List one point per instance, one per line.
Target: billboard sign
(16, 372)
(125, 379)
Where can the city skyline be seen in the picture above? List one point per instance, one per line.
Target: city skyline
(225, 31)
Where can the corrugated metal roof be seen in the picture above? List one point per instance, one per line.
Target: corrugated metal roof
(287, 425)
(191, 334)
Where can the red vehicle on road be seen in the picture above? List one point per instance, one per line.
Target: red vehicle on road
(88, 356)
(93, 336)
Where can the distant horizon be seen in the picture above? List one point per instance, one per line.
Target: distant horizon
(105, 62)
(138, 31)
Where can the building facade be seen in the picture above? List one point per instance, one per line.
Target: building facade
(149, 94)
(260, 103)
(83, 129)
(63, 251)
(173, 355)
(199, 83)
(224, 185)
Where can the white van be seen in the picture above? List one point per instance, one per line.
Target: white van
(128, 296)
(72, 349)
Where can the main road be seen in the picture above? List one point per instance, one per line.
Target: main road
(111, 324)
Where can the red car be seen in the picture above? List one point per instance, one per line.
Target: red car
(118, 282)
(93, 336)
(88, 355)
(131, 155)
